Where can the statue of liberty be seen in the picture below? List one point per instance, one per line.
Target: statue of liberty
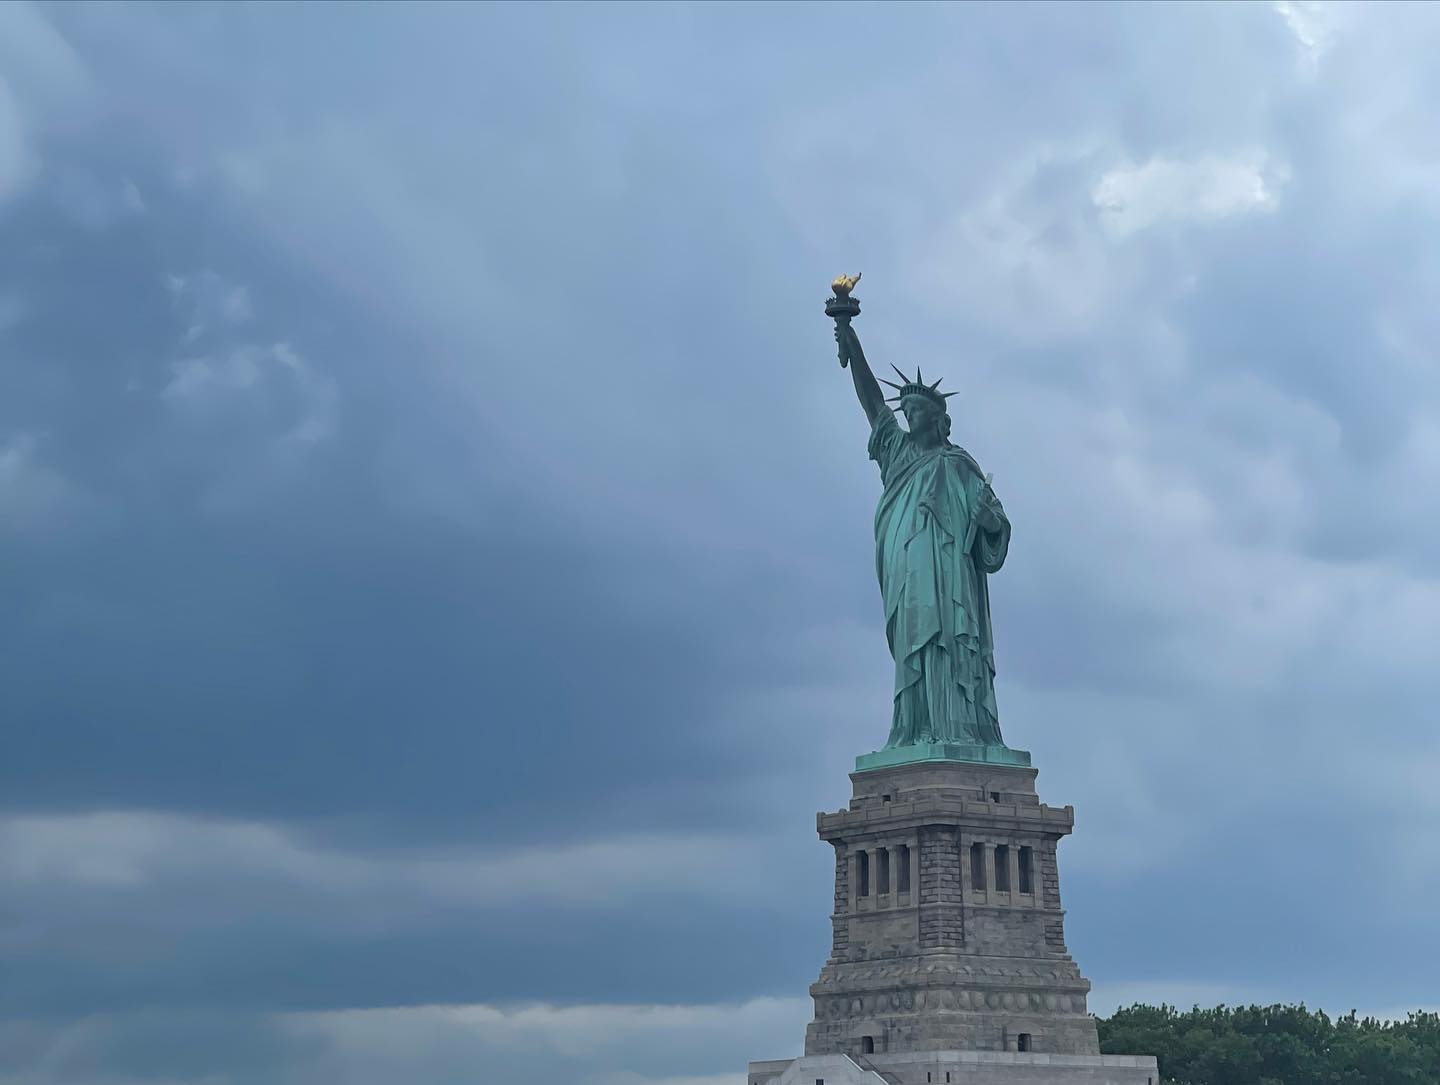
(939, 532)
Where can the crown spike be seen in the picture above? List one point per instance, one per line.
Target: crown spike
(892, 384)
(918, 378)
(900, 372)
(936, 384)
(947, 395)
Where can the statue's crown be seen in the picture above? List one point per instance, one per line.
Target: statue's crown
(916, 387)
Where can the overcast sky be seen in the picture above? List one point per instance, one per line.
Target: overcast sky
(435, 547)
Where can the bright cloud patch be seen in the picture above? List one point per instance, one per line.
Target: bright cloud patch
(1312, 23)
(201, 387)
(132, 851)
(1131, 198)
(33, 494)
(595, 1044)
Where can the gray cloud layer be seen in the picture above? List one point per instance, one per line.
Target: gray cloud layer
(434, 531)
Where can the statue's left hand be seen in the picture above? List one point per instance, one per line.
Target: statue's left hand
(987, 514)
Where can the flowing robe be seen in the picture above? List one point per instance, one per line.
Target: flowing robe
(939, 529)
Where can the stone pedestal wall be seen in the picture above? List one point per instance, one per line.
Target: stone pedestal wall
(948, 929)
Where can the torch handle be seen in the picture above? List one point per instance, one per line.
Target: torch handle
(842, 309)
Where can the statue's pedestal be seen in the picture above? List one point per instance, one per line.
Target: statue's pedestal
(948, 953)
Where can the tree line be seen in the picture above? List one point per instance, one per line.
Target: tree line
(1277, 1045)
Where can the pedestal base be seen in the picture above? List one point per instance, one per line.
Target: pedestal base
(959, 1068)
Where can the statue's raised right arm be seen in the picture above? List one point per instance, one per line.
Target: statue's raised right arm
(867, 388)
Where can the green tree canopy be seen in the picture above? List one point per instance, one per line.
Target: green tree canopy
(1277, 1045)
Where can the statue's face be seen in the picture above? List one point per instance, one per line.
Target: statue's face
(921, 415)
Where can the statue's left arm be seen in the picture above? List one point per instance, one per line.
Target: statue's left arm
(992, 537)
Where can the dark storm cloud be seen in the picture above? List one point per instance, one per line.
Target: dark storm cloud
(183, 625)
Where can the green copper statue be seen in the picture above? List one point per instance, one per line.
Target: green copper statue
(939, 532)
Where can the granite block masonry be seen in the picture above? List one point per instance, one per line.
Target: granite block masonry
(948, 959)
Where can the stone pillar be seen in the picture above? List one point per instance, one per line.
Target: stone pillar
(1048, 875)
(941, 920)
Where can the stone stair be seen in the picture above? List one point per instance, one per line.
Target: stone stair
(865, 1064)
(834, 1070)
